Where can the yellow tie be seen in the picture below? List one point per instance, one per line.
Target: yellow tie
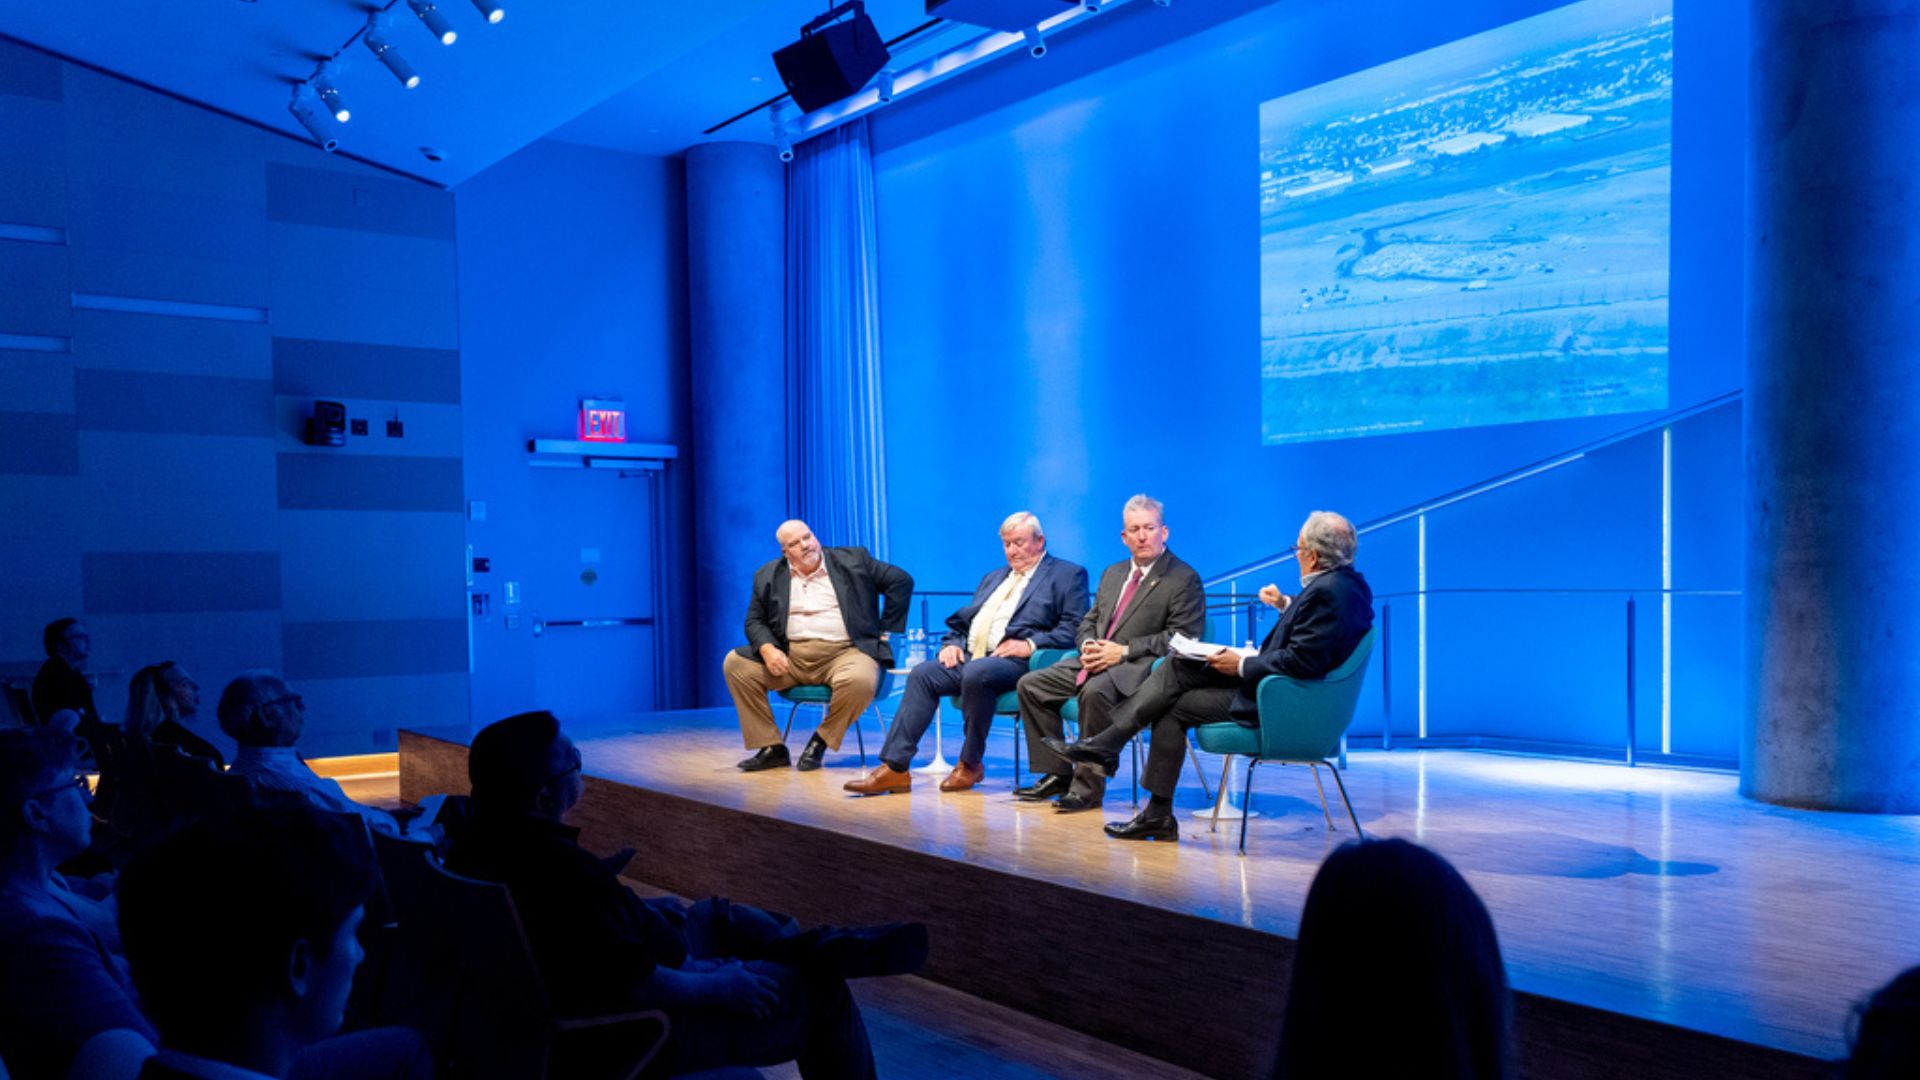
(990, 611)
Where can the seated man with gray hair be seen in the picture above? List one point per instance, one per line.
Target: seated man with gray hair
(1033, 602)
(262, 713)
(1317, 631)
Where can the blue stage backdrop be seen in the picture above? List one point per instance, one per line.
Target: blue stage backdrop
(1070, 256)
(1475, 234)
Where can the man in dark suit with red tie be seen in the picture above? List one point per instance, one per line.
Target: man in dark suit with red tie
(1317, 632)
(1142, 601)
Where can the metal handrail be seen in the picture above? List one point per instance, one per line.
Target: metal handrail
(1511, 476)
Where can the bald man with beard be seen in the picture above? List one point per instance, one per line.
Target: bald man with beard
(815, 619)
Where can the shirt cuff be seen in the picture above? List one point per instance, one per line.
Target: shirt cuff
(1241, 668)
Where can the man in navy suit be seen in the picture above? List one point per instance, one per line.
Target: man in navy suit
(815, 619)
(1317, 631)
(1033, 602)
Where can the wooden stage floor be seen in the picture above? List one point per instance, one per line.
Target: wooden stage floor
(1654, 893)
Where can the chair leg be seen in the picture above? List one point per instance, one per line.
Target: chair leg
(1246, 804)
(1226, 770)
(860, 739)
(1322, 789)
(788, 733)
(1205, 791)
(1135, 744)
(1018, 731)
(1351, 816)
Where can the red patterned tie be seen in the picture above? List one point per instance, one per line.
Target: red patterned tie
(1119, 611)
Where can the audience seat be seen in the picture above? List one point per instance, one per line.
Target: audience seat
(466, 980)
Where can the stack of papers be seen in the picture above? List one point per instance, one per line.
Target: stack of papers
(1194, 649)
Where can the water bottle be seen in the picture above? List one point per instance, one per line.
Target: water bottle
(916, 646)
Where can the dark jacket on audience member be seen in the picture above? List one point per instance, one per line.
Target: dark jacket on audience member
(58, 686)
(1316, 634)
(174, 733)
(592, 938)
(859, 582)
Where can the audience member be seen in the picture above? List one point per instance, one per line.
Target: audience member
(262, 714)
(61, 980)
(741, 986)
(242, 934)
(1886, 1032)
(1397, 973)
(62, 680)
(162, 700)
(148, 786)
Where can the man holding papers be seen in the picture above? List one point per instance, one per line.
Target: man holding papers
(1318, 630)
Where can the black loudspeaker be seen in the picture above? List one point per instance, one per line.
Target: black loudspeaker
(328, 424)
(832, 59)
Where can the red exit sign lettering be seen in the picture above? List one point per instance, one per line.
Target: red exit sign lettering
(603, 421)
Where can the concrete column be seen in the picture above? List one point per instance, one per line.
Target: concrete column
(1833, 407)
(736, 295)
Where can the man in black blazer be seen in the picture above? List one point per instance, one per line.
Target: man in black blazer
(815, 619)
(1033, 602)
(1317, 632)
(1141, 602)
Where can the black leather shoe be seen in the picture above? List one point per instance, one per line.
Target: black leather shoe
(1146, 825)
(1070, 803)
(1085, 753)
(767, 757)
(1047, 787)
(810, 757)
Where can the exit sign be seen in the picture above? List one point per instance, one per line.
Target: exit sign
(603, 421)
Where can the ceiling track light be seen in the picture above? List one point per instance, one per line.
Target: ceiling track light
(490, 10)
(376, 42)
(305, 108)
(322, 83)
(436, 22)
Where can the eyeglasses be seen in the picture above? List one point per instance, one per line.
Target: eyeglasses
(77, 782)
(574, 763)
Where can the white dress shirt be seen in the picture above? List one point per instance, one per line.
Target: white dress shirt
(813, 610)
(999, 607)
(279, 768)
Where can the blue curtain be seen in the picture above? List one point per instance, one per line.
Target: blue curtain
(838, 464)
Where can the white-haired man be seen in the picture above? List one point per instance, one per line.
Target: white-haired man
(1033, 602)
(1317, 631)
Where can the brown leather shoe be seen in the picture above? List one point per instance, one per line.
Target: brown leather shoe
(880, 781)
(963, 777)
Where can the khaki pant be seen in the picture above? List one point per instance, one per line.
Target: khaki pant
(852, 674)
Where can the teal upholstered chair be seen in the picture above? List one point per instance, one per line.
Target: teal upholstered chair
(807, 694)
(1302, 722)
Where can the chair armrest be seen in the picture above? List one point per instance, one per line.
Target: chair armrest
(601, 1030)
(1046, 658)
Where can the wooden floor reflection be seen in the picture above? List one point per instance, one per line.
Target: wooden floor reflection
(1657, 893)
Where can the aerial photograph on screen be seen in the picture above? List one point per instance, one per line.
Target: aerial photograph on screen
(1475, 234)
